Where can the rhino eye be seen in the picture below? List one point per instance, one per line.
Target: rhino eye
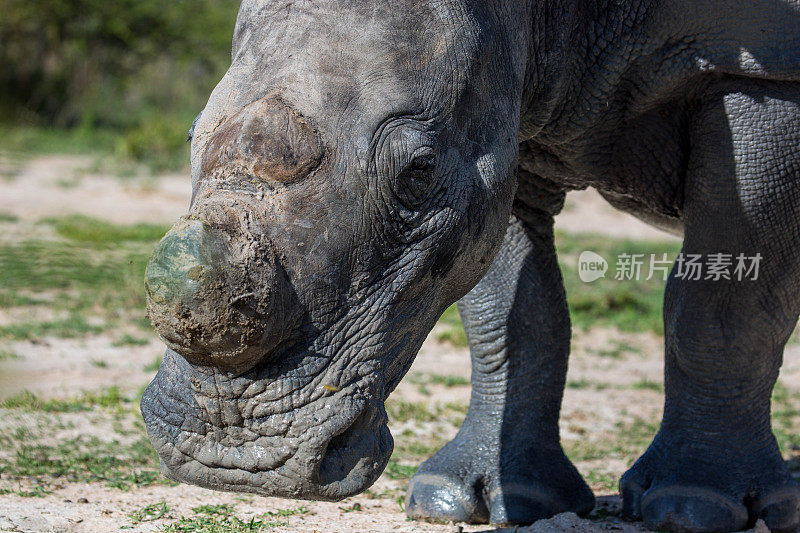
(416, 179)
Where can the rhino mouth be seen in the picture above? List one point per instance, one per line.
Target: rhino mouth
(332, 447)
(356, 450)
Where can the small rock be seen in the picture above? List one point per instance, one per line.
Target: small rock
(67, 501)
(83, 500)
(456, 528)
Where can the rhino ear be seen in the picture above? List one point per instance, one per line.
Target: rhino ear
(266, 139)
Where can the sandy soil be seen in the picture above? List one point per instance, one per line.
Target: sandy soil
(57, 185)
(587, 212)
(61, 185)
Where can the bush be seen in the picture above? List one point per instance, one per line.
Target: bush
(140, 67)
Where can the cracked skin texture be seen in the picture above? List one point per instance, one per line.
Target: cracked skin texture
(362, 166)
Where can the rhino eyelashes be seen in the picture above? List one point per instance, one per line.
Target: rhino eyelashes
(267, 139)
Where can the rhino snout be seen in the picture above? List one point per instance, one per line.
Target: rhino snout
(211, 298)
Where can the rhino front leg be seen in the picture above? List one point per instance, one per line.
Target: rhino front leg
(714, 464)
(506, 465)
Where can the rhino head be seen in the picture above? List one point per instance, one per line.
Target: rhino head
(352, 176)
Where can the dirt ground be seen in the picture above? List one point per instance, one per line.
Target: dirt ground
(613, 389)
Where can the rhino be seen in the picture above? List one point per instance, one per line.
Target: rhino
(364, 165)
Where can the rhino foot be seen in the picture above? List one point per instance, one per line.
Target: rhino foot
(671, 493)
(475, 487)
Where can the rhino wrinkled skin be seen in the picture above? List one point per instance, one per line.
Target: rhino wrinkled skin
(363, 165)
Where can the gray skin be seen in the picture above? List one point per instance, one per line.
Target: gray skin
(362, 165)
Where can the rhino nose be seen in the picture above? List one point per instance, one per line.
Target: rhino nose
(183, 267)
(203, 302)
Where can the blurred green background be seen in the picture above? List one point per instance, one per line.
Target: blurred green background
(124, 78)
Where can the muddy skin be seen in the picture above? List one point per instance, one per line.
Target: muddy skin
(364, 165)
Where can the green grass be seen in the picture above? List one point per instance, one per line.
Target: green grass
(7, 355)
(35, 491)
(110, 398)
(586, 384)
(148, 513)
(75, 325)
(786, 419)
(38, 266)
(355, 508)
(96, 287)
(410, 446)
(397, 471)
(452, 328)
(222, 519)
(23, 139)
(41, 450)
(129, 340)
(646, 384)
(86, 229)
(602, 480)
(8, 217)
(438, 379)
(154, 365)
(84, 460)
(617, 350)
(156, 145)
(628, 305)
(629, 441)
(400, 411)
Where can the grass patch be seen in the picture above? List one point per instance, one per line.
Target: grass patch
(48, 140)
(129, 340)
(786, 422)
(602, 481)
(646, 384)
(97, 289)
(82, 228)
(74, 326)
(7, 355)
(628, 442)
(452, 328)
(400, 411)
(8, 217)
(397, 471)
(438, 379)
(355, 508)
(628, 305)
(408, 445)
(154, 365)
(149, 513)
(35, 491)
(222, 519)
(580, 384)
(84, 460)
(617, 350)
(110, 398)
